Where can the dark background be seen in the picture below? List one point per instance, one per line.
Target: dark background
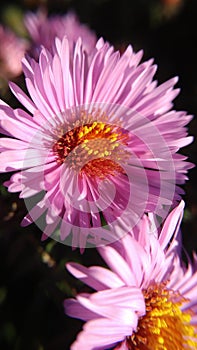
(33, 279)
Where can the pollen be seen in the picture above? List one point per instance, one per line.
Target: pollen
(95, 149)
(165, 326)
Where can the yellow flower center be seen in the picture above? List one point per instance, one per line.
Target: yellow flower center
(94, 148)
(165, 326)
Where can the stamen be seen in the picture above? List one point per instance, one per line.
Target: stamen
(95, 149)
(165, 326)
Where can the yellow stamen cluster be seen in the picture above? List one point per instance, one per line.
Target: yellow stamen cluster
(165, 326)
(94, 149)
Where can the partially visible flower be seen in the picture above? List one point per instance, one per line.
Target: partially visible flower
(12, 50)
(44, 29)
(98, 138)
(171, 7)
(148, 298)
(171, 2)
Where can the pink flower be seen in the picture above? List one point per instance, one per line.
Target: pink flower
(43, 30)
(12, 51)
(98, 141)
(148, 298)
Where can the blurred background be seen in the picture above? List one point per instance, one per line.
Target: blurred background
(33, 279)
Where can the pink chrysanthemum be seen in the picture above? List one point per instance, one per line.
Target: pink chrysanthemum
(147, 300)
(12, 51)
(98, 138)
(43, 30)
